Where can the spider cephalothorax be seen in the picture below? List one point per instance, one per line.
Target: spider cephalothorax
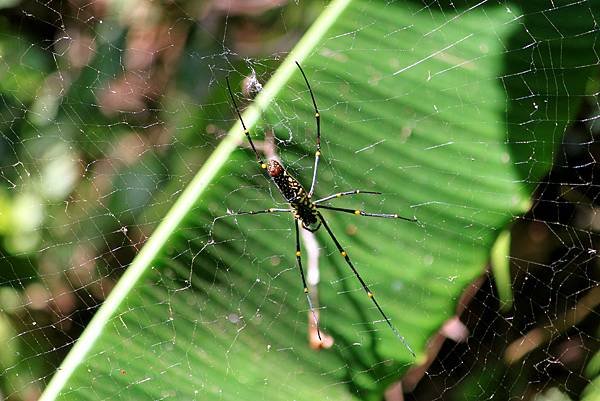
(305, 210)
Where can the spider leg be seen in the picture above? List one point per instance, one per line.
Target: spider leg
(363, 213)
(270, 210)
(261, 163)
(299, 260)
(364, 285)
(346, 193)
(318, 119)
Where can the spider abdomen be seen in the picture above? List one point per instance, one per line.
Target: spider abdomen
(289, 186)
(294, 193)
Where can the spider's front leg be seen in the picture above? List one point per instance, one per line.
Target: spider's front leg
(318, 120)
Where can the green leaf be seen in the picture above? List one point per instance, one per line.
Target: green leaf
(593, 367)
(501, 269)
(592, 371)
(423, 105)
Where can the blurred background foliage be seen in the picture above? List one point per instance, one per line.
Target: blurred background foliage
(100, 101)
(100, 104)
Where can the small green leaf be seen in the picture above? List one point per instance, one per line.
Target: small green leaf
(593, 367)
(501, 269)
(592, 371)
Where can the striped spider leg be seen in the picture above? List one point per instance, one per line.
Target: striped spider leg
(306, 212)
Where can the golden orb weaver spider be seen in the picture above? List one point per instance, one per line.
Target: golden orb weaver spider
(306, 211)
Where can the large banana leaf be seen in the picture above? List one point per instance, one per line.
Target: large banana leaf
(439, 109)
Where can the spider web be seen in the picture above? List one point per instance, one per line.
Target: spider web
(110, 109)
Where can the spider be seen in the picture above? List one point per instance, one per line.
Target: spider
(306, 212)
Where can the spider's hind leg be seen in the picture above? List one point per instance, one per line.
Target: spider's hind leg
(346, 193)
(270, 210)
(299, 261)
(364, 285)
